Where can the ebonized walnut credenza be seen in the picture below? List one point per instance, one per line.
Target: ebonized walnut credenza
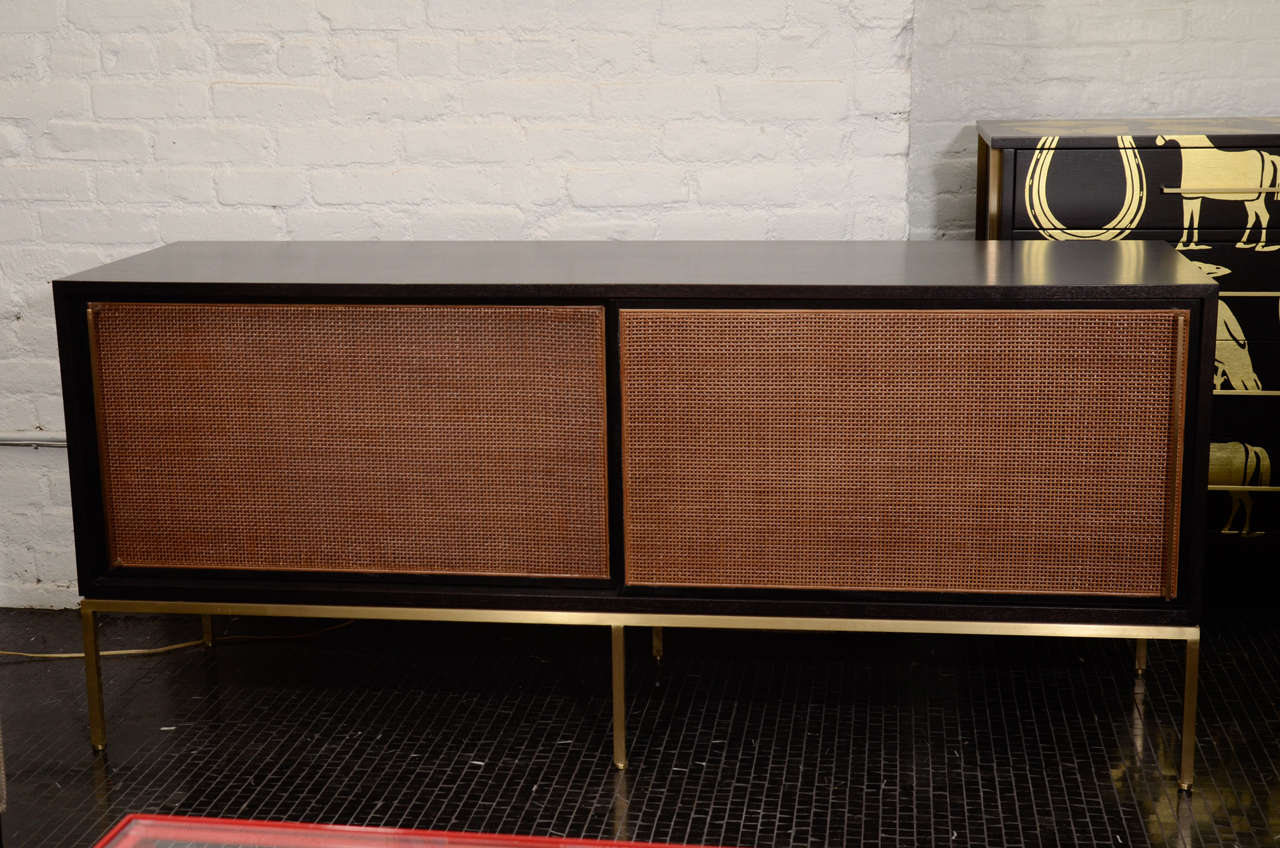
(942, 437)
(1206, 186)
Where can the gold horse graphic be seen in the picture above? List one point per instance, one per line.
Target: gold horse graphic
(1232, 363)
(1239, 464)
(1208, 173)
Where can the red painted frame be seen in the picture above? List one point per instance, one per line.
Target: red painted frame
(297, 835)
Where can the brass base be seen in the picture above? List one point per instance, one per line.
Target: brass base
(618, 622)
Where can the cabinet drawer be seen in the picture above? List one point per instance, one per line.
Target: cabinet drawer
(1248, 367)
(1247, 417)
(1250, 517)
(1233, 268)
(1237, 269)
(1247, 344)
(1219, 191)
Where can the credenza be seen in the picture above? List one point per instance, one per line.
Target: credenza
(942, 437)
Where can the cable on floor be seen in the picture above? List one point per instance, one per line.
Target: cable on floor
(164, 649)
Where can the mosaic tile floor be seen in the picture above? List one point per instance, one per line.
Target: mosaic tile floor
(746, 739)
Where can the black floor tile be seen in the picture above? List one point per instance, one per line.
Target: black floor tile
(750, 739)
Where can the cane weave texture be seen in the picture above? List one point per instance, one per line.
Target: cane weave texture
(1002, 451)
(370, 438)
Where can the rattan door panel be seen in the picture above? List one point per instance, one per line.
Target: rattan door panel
(993, 451)
(367, 438)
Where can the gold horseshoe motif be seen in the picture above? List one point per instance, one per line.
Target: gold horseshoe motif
(1135, 194)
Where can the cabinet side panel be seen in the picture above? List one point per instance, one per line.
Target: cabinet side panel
(365, 438)
(1001, 451)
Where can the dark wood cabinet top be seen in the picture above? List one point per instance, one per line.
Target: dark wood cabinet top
(621, 269)
(1225, 132)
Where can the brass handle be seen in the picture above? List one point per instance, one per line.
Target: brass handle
(1195, 190)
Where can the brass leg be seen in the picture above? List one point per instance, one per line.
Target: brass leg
(619, 698)
(1187, 775)
(93, 679)
(206, 623)
(1140, 657)
(657, 644)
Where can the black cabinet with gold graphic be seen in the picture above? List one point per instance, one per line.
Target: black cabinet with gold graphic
(1207, 186)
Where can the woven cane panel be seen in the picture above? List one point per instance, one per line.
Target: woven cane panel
(362, 438)
(993, 451)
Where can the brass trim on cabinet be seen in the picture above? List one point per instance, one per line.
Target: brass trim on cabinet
(995, 166)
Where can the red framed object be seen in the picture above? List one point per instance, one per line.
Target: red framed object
(148, 831)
